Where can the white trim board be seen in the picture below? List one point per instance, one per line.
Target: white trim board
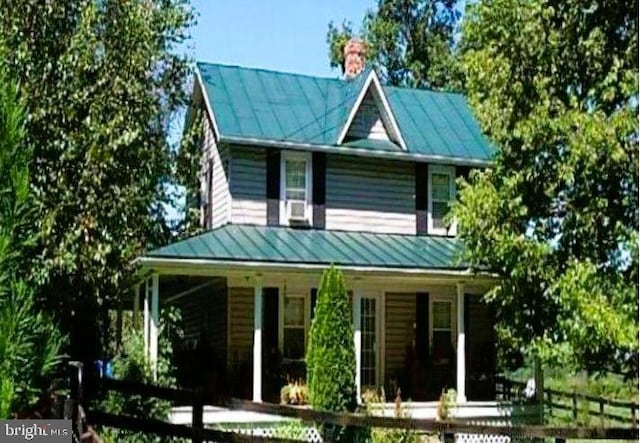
(332, 149)
(378, 95)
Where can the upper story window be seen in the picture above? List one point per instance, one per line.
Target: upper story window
(442, 191)
(295, 188)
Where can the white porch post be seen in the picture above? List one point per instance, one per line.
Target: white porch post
(146, 309)
(461, 369)
(357, 339)
(153, 330)
(257, 339)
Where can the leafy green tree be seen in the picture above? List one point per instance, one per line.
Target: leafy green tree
(409, 42)
(555, 86)
(103, 79)
(30, 342)
(331, 360)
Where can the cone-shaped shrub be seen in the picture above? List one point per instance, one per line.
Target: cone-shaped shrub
(331, 361)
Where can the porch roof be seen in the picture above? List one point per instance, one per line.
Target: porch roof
(284, 245)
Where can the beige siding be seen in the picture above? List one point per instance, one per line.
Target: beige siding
(371, 195)
(399, 319)
(220, 196)
(204, 315)
(240, 326)
(248, 186)
(216, 308)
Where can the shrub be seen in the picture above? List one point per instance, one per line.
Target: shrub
(446, 404)
(132, 364)
(294, 393)
(30, 341)
(372, 401)
(331, 361)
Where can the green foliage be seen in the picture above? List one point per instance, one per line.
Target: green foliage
(189, 169)
(373, 406)
(103, 79)
(30, 342)
(331, 361)
(133, 365)
(555, 87)
(409, 42)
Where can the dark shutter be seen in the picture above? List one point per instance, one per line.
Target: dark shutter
(421, 179)
(270, 301)
(273, 187)
(422, 326)
(319, 166)
(464, 172)
(467, 345)
(314, 297)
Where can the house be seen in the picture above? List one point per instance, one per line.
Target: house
(298, 173)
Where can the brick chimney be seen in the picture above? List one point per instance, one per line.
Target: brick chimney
(354, 58)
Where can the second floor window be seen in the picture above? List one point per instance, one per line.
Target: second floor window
(295, 188)
(296, 179)
(441, 193)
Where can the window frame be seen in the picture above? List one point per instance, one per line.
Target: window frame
(454, 327)
(281, 321)
(451, 172)
(307, 158)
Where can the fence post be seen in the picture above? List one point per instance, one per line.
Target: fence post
(72, 404)
(575, 404)
(633, 415)
(197, 419)
(549, 401)
(602, 412)
(560, 440)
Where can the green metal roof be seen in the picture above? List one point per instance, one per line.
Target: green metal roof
(258, 104)
(272, 244)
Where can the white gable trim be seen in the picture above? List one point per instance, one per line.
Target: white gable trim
(386, 114)
(207, 105)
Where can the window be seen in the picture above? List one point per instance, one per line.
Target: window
(295, 188)
(296, 179)
(294, 333)
(441, 194)
(441, 331)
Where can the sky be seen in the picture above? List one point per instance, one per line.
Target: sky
(283, 35)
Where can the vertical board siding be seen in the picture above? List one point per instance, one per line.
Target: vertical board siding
(240, 326)
(371, 195)
(248, 186)
(221, 197)
(399, 318)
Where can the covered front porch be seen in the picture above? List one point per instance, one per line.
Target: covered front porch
(247, 312)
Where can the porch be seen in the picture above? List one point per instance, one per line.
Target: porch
(421, 329)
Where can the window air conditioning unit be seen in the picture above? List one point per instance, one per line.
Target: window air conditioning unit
(297, 211)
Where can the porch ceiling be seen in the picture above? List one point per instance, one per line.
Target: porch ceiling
(283, 245)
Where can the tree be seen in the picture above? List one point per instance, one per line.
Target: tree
(103, 80)
(555, 86)
(30, 342)
(409, 42)
(331, 361)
